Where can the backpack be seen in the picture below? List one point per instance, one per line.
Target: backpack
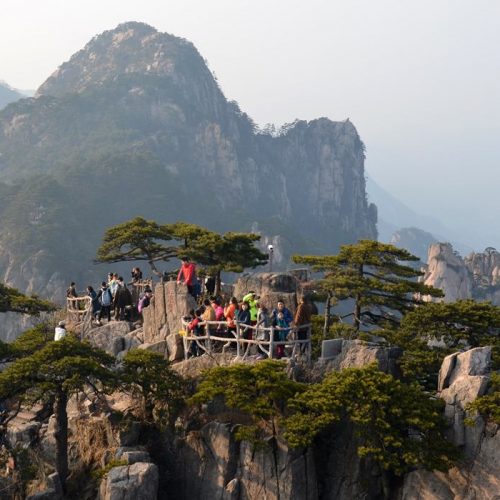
(106, 298)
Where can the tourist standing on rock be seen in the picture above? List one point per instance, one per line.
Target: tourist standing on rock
(145, 300)
(287, 315)
(60, 331)
(96, 306)
(231, 313)
(282, 329)
(209, 312)
(71, 291)
(106, 300)
(136, 275)
(244, 319)
(187, 274)
(251, 299)
(122, 299)
(302, 317)
(113, 284)
(195, 328)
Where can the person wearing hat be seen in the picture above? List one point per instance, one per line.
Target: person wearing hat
(60, 332)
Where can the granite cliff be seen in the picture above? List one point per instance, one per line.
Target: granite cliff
(476, 276)
(136, 124)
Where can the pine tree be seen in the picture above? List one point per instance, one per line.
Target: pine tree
(373, 276)
(12, 300)
(230, 252)
(52, 375)
(138, 239)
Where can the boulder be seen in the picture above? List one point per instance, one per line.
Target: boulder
(160, 347)
(175, 347)
(463, 377)
(271, 287)
(341, 353)
(130, 482)
(134, 456)
(163, 317)
(112, 337)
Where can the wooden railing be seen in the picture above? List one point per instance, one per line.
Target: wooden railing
(79, 310)
(262, 337)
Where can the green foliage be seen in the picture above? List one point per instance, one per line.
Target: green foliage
(14, 301)
(100, 473)
(335, 331)
(148, 375)
(454, 323)
(397, 424)
(137, 239)
(67, 365)
(489, 404)
(371, 273)
(32, 340)
(230, 252)
(260, 391)
(476, 323)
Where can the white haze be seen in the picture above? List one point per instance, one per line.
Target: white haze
(418, 79)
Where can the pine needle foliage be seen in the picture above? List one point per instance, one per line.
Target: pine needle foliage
(398, 425)
(261, 391)
(374, 276)
(12, 300)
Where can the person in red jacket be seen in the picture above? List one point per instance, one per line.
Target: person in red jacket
(187, 274)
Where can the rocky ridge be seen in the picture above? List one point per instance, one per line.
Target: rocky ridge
(139, 112)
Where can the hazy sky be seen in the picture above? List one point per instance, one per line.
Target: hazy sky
(420, 79)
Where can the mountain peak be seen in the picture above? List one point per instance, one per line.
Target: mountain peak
(130, 48)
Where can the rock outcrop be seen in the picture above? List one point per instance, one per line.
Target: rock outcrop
(463, 377)
(446, 270)
(476, 276)
(130, 482)
(142, 109)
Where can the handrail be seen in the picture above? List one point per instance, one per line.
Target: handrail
(241, 342)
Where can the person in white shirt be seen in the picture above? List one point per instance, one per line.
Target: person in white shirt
(60, 332)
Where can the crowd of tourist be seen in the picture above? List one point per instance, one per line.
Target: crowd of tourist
(253, 319)
(222, 316)
(115, 299)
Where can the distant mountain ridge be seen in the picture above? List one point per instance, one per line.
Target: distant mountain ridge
(135, 124)
(8, 94)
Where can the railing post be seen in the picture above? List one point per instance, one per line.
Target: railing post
(271, 340)
(238, 339)
(207, 334)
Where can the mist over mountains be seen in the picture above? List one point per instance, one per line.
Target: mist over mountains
(136, 124)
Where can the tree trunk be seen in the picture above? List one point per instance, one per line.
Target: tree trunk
(155, 269)
(357, 313)
(218, 285)
(357, 305)
(326, 325)
(61, 436)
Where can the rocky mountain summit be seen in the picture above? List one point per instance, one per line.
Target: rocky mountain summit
(136, 124)
(476, 276)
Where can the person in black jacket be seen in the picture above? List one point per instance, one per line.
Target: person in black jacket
(122, 299)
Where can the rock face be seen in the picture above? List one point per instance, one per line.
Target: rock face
(213, 465)
(164, 315)
(130, 482)
(338, 354)
(447, 270)
(477, 276)
(271, 287)
(462, 378)
(142, 109)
